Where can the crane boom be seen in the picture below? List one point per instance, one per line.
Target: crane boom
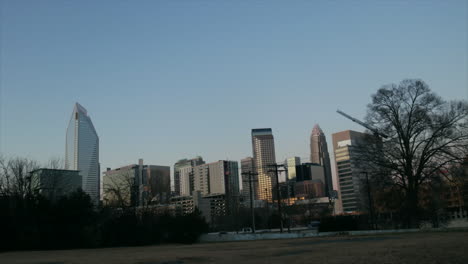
(375, 131)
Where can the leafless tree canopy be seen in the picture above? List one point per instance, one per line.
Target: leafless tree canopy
(425, 134)
(119, 190)
(15, 177)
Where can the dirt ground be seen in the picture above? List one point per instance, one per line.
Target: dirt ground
(435, 247)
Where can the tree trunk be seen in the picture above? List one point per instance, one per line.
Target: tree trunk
(412, 208)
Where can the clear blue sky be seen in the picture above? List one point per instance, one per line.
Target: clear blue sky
(164, 80)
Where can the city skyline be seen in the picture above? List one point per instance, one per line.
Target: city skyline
(291, 72)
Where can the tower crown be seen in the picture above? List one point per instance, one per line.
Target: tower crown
(316, 131)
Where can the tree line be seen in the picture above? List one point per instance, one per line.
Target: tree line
(30, 220)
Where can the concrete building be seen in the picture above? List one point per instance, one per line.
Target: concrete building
(263, 147)
(211, 206)
(310, 171)
(184, 204)
(54, 183)
(137, 185)
(120, 187)
(247, 166)
(183, 175)
(309, 189)
(220, 177)
(291, 164)
(82, 151)
(350, 178)
(319, 155)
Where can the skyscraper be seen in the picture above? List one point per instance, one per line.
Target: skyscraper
(82, 151)
(319, 155)
(263, 147)
(348, 174)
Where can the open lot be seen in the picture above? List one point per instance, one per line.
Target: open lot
(433, 247)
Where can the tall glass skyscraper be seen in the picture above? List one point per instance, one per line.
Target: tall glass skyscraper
(82, 151)
(263, 146)
(319, 155)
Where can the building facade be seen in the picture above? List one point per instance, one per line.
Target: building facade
(291, 164)
(54, 183)
(350, 177)
(183, 175)
(82, 151)
(319, 155)
(263, 147)
(247, 167)
(137, 185)
(310, 171)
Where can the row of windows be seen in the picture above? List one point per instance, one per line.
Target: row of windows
(345, 188)
(344, 170)
(346, 179)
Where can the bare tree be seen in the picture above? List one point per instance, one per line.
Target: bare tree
(15, 177)
(56, 163)
(425, 134)
(120, 190)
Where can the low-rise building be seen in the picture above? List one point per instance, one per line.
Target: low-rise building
(54, 183)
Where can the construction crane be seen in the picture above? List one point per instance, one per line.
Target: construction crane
(374, 130)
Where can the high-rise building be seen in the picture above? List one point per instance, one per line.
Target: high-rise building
(220, 177)
(183, 175)
(263, 147)
(82, 151)
(291, 164)
(319, 155)
(247, 166)
(349, 175)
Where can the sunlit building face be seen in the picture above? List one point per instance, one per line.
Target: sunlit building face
(82, 150)
(263, 146)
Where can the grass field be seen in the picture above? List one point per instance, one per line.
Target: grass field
(434, 247)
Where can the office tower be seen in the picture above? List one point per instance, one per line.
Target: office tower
(291, 164)
(137, 185)
(319, 155)
(348, 174)
(220, 177)
(82, 151)
(183, 175)
(54, 183)
(263, 147)
(247, 166)
(310, 171)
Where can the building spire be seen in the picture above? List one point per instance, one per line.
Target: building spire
(316, 130)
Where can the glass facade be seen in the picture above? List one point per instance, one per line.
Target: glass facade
(82, 151)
